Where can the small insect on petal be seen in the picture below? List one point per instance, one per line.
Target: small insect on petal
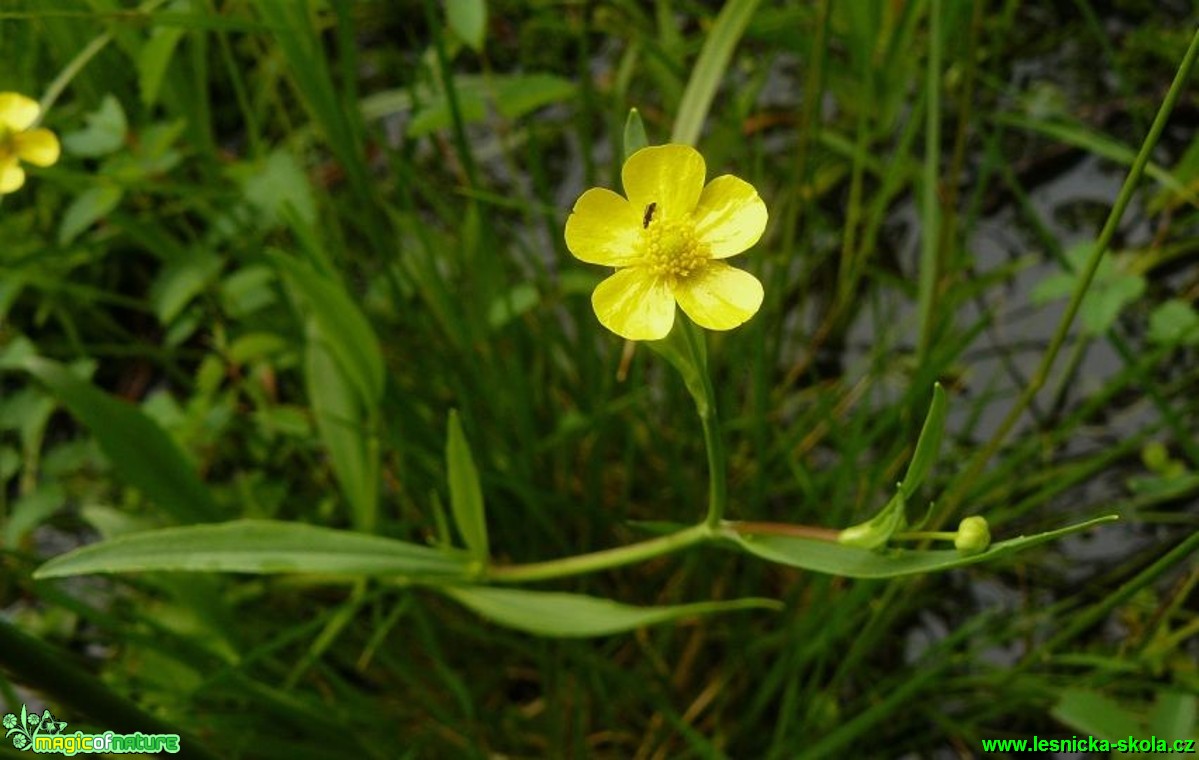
(649, 215)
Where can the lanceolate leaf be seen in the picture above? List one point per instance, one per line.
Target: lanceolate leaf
(928, 445)
(549, 613)
(851, 561)
(466, 496)
(878, 530)
(634, 134)
(352, 339)
(343, 426)
(893, 516)
(258, 546)
(710, 68)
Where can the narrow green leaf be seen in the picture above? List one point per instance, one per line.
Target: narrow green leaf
(144, 455)
(850, 561)
(878, 530)
(155, 56)
(88, 207)
(634, 133)
(466, 497)
(709, 69)
(928, 445)
(468, 20)
(352, 340)
(257, 546)
(548, 613)
(343, 426)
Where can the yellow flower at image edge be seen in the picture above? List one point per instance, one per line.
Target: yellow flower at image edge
(668, 241)
(20, 143)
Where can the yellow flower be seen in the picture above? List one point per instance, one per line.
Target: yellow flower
(668, 241)
(20, 143)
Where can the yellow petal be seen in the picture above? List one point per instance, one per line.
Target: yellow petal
(12, 176)
(603, 229)
(37, 146)
(634, 304)
(730, 217)
(669, 176)
(719, 298)
(17, 112)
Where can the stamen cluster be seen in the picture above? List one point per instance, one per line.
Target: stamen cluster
(671, 249)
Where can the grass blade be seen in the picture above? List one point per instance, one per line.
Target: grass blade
(928, 445)
(466, 497)
(355, 346)
(709, 69)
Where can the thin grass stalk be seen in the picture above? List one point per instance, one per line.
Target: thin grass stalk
(930, 208)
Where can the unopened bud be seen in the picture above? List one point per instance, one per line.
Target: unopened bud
(974, 535)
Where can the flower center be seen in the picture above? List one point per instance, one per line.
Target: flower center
(671, 250)
(6, 140)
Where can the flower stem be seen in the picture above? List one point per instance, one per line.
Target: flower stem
(718, 493)
(783, 529)
(601, 560)
(930, 535)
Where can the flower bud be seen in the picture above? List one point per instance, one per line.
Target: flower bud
(974, 536)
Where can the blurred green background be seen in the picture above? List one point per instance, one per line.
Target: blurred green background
(937, 174)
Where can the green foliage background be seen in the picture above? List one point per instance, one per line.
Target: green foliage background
(256, 194)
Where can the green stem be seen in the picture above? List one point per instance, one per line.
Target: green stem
(718, 492)
(813, 532)
(602, 560)
(717, 487)
(929, 535)
(930, 220)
